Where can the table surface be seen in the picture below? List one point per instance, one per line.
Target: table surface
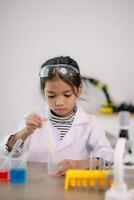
(42, 186)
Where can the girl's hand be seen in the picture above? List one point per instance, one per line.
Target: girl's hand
(71, 164)
(34, 121)
(78, 164)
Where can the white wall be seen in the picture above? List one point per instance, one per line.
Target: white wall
(98, 34)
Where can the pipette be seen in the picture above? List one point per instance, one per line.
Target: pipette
(51, 149)
(15, 147)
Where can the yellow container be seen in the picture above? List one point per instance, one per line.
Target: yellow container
(84, 178)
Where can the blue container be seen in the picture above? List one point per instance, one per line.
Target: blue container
(18, 175)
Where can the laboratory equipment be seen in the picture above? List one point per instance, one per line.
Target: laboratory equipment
(119, 189)
(52, 162)
(5, 163)
(15, 148)
(124, 121)
(4, 172)
(88, 178)
(18, 169)
(109, 105)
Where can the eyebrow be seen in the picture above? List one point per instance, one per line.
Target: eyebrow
(51, 92)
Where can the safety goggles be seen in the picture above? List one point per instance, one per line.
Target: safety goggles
(48, 71)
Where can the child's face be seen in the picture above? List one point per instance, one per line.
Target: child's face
(60, 97)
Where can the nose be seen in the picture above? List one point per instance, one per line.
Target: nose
(59, 100)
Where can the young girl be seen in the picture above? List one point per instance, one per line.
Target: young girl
(74, 135)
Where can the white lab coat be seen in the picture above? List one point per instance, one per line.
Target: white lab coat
(85, 137)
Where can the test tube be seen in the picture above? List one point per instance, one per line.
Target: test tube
(96, 162)
(92, 162)
(101, 163)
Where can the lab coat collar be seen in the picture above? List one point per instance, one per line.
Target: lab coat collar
(81, 116)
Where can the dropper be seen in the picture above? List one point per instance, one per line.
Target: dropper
(51, 149)
(15, 147)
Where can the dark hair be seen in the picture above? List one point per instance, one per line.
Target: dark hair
(72, 81)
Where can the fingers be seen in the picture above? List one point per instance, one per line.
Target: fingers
(68, 164)
(35, 121)
(60, 173)
(65, 165)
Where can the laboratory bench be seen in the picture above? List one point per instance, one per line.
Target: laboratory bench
(41, 186)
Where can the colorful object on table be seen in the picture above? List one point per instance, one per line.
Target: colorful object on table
(18, 175)
(5, 162)
(18, 168)
(91, 178)
(4, 176)
(4, 172)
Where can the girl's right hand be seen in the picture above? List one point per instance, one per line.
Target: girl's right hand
(34, 121)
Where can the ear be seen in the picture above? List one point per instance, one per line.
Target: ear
(80, 89)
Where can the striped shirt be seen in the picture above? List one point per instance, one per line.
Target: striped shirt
(63, 124)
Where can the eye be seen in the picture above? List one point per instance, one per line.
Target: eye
(51, 97)
(67, 95)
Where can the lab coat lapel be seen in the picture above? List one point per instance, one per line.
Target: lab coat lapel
(67, 140)
(80, 118)
(54, 136)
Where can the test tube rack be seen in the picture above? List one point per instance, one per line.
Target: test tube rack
(100, 179)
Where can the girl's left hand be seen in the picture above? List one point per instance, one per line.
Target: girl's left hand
(65, 165)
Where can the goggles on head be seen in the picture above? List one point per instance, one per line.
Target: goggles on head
(48, 71)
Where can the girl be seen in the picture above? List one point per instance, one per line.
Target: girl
(74, 135)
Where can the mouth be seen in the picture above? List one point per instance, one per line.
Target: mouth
(60, 110)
